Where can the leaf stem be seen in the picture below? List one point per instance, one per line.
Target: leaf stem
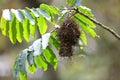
(100, 24)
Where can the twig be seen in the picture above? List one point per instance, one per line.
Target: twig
(100, 24)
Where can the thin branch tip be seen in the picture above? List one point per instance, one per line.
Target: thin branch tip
(100, 24)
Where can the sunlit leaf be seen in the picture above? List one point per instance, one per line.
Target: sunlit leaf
(29, 17)
(22, 76)
(36, 46)
(88, 22)
(40, 62)
(42, 24)
(83, 38)
(54, 42)
(50, 57)
(32, 68)
(26, 30)
(19, 15)
(19, 29)
(31, 63)
(7, 14)
(4, 25)
(86, 11)
(43, 13)
(45, 40)
(35, 12)
(12, 30)
(51, 9)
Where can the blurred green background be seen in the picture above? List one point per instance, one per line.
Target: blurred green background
(99, 60)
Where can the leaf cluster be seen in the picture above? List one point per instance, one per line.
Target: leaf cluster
(21, 23)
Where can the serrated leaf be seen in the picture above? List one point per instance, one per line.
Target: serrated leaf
(26, 30)
(40, 62)
(12, 30)
(83, 38)
(50, 57)
(42, 24)
(4, 26)
(43, 13)
(78, 2)
(70, 2)
(45, 40)
(19, 15)
(54, 42)
(19, 29)
(85, 27)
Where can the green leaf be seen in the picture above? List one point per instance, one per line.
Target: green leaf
(43, 13)
(50, 9)
(7, 14)
(22, 61)
(45, 40)
(29, 17)
(83, 38)
(19, 67)
(42, 24)
(78, 2)
(16, 68)
(32, 26)
(4, 26)
(70, 2)
(12, 30)
(30, 60)
(19, 29)
(50, 57)
(36, 46)
(86, 11)
(22, 76)
(35, 12)
(62, 16)
(85, 27)
(30, 57)
(19, 15)
(33, 29)
(54, 42)
(40, 62)
(32, 68)
(86, 21)
(26, 30)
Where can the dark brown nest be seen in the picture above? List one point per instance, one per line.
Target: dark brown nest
(68, 34)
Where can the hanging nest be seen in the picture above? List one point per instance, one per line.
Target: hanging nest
(68, 34)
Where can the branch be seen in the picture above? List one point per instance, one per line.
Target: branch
(100, 24)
